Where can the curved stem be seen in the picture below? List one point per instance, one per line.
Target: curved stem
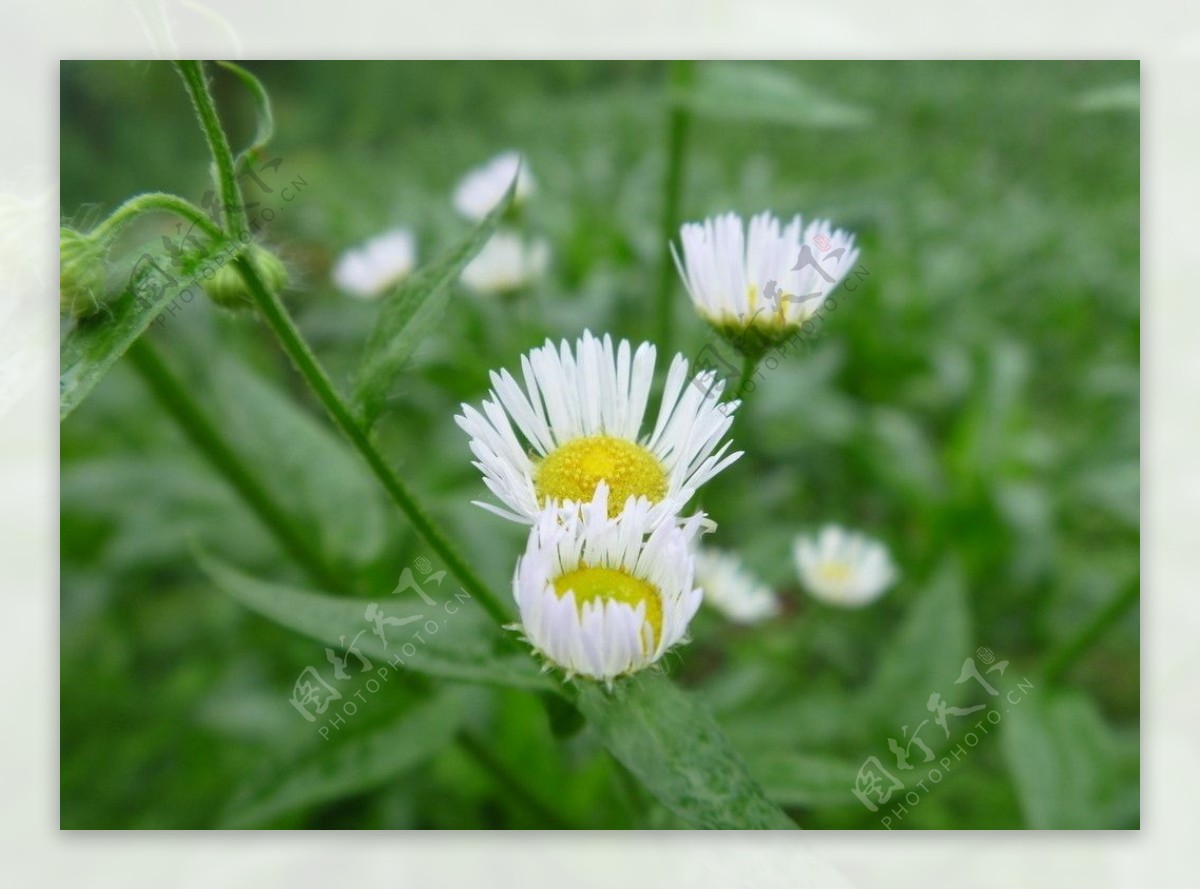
(306, 363)
(682, 73)
(175, 398)
(232, 210)
(155, 202)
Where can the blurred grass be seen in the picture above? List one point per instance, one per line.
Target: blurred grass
(974, 402)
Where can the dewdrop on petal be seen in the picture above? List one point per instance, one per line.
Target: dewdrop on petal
(732, 590)
(603, 596)
(757, 287)
(369, 269)
(843, 568)
(577, 421)
(506, 264)
(481, 188)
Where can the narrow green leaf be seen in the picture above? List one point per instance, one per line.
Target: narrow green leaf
(266, 120)
(672, 744)
(926, 653)
(411, 312)
(92, 345)
(1061, 755)
(755, 93)
(339, 508)
(354, 764)
(791, 779)
(457, 642)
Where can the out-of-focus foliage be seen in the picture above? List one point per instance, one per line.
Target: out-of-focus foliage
(973, 401)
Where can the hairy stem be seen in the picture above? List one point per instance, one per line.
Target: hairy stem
(155, 202)
(682, 73)
(281, 324)
(177, 401)
(232, 210)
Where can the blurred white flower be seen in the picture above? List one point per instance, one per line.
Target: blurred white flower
(482, 188)
(773, 279)
(732, 589)
(843, 568)
(506, 263)
(603, 596)
(580, 416)
(369, 269)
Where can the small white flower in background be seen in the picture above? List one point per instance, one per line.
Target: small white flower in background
(603, 596)
(579, 415)
(482, 188)
(369, 269)
(506, 263)
(843, 568)
(774, 278)
(732, 589)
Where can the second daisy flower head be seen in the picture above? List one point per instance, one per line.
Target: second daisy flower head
(575, 420)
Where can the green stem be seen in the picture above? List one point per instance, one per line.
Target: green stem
(281, 324)
(682, 73)
(154, 202)
(177, 401)
(1073, 649)
(232, 210)
(513, 782)
(749, 366)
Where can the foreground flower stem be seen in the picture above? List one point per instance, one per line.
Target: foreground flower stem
(177, 401)
(682, 73)
(285, 330)
(281, 324)
(151, 202)
(749, 366)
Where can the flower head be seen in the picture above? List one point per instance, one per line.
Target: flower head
(729, 587)
(770, 280)
(505, 264)
(482, 188)
(82, 274)
(579, 416)
(843, 568)
(602, 596)
(371, 268)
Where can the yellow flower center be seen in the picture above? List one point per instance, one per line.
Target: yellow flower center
(591, 584)
(572, 471)
(835, 572)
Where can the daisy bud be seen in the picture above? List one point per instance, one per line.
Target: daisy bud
(757, 288)
(227, 289)
(843, 568)
(82, 273)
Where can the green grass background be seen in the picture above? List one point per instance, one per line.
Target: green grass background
(974, 403)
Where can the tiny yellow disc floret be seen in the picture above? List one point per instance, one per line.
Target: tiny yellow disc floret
(597, 583)
(572, 471)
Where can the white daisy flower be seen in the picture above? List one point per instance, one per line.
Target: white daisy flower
(482, 188)
(371, 268)
(579, 416)
(603, 596)
(774, 279)
(506, 263)
(843, 568)
(730, 587)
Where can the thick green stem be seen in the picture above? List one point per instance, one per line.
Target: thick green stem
(154, 202)
(682, 73)
(175, 398)
(749, 366)
(281, 324)
(232, 211)
(1065, 657)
